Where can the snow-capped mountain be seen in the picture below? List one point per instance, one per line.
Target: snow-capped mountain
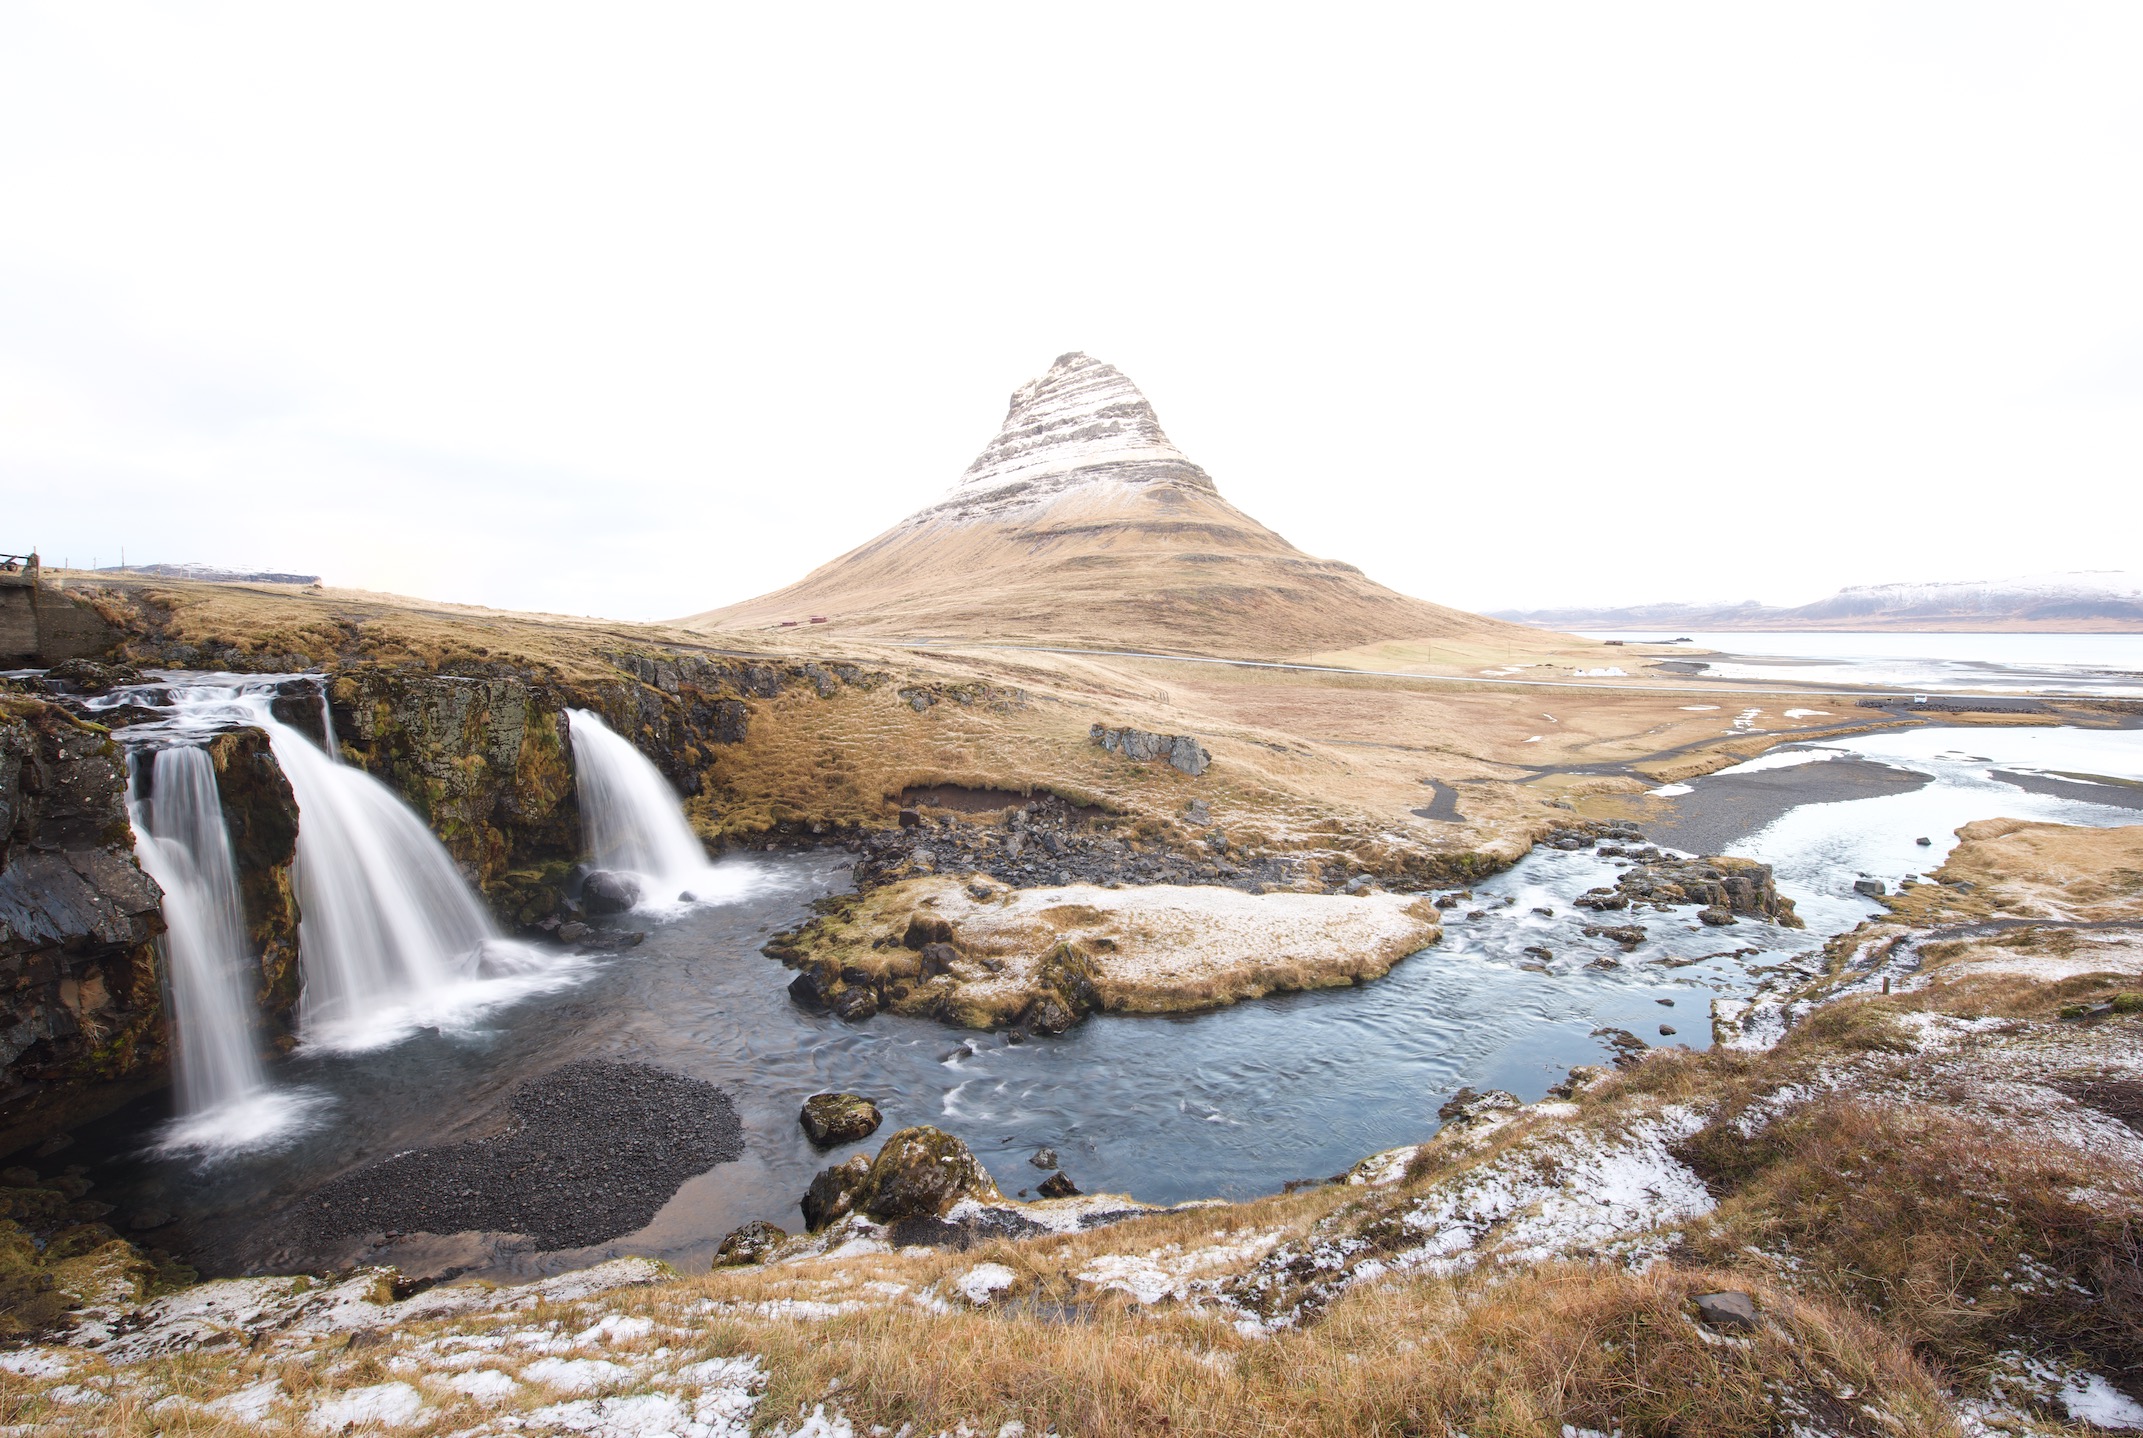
(1081, 523)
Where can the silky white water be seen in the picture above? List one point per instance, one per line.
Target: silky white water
(182, 841)
(631, 820)
(390, 937)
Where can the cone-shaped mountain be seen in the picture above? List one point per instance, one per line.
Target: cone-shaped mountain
(1080, 523)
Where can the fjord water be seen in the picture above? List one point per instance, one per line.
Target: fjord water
(632, 821)
(2110, 664)
(182, 841)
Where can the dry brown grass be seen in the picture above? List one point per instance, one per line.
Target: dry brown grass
(1513, 1354)
(1960, 1238)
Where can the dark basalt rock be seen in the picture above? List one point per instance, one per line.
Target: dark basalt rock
(81, 1004)
(832, 1119)
(1057, 1185)
(1181, 751)
(832, 1195)
(921, 1172)
(261, 815)
(1467, 1106)
(855, 1003)
(87, 676)
(1629, 1049)
(1721, 885)
(606, 891)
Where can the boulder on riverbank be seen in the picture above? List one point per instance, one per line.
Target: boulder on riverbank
(1044, 958)
(920, 1172)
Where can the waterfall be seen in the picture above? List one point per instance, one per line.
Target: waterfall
(327, 726)
(181, 840)
(631, 818)
(389, 935)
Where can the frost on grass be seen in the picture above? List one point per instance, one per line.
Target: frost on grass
(1565, 1193)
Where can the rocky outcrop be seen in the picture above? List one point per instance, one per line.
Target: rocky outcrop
(80, 1008)
(1722, 886)
(832, 1119)
(487, 758)
(1179, 750)
(261, 815)
(982, 957)
(920, 1172)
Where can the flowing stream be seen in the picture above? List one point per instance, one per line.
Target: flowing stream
(1230, 1103)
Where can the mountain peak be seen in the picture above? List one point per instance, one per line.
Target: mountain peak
(1080, 523)
(1082, 424)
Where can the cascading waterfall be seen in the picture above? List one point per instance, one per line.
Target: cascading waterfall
(181, 840)
(389, 935)
(630, 816)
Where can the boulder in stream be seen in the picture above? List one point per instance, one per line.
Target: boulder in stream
(607, 891)
(832, 1119)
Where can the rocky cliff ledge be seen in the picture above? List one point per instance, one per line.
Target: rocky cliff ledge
(486, 758)
(80, 1006)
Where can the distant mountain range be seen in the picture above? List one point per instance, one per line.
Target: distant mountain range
(211, 574)
(2086, 602)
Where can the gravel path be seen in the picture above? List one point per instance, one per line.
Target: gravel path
(593, 1150)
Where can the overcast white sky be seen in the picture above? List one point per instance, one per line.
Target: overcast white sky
(634, 310)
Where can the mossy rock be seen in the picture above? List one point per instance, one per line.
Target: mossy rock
(832, 1119)
(920, 1173)
(755, 1242)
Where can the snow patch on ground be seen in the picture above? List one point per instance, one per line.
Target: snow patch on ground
(1171, 1271)
(392, 1405)
(985, 1281)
